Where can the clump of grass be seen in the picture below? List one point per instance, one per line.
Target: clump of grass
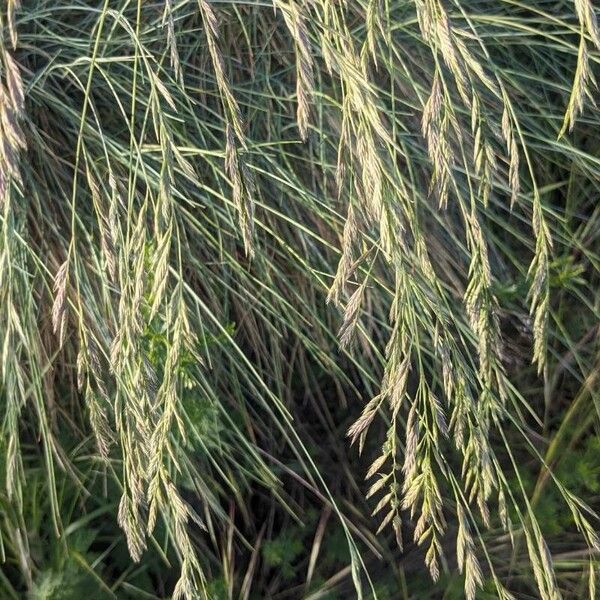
(192, 192)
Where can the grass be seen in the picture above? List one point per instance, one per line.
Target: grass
(254, 253)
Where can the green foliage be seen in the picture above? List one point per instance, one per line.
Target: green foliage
(281, 553)
(579, 471)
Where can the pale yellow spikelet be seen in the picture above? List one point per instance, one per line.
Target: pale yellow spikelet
(237, 171)
(242, 190)
(11, 7)
(434, 126)
(295, 22)
(168, 22)
(14, 83)
(346, 262)
(583, 83)
(351, 315)
(365, 419)
(59, 306)
(129, 521)
(539, 288)
(12, 106)
(466, 557)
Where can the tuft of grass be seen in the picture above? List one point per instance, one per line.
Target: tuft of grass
(239, 237)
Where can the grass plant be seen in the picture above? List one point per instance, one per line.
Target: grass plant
(254, 253)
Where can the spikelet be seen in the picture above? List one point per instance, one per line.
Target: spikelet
(11, 8)
(539, 290)
(169, 23)
(373, 24)
(99, 422)
(60, 300)
(512, 150)
(431, 524)
(89, 369)
(345, 263)
(235, 165)
(465, 554)
(106, 224)
(12, 139)
(584, 82)
(351, 315)
(129, 520)
(481, 307)
(242, 189)
(434, 125)
(305, 84)
(483, 153)
(366, 418)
